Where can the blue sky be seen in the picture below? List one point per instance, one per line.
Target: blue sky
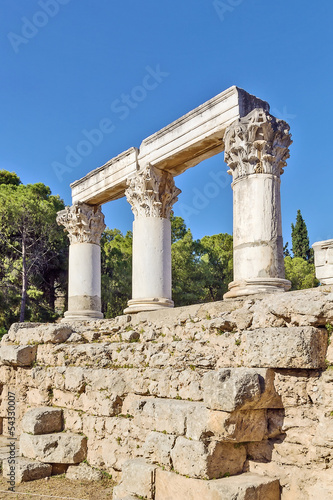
(66, 64)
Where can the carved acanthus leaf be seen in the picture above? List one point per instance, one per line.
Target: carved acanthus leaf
(152, 193)
(84, 223)
(256, 144)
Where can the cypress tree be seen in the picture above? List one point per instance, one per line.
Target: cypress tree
(300, 239)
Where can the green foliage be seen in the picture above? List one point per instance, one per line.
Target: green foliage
(3, 332)
(178, 228)
(116, 271)
(187, 273)
(217, 265)
(300, 272)
(286, 252)
(9, 178)
(300, 239)
(201, 269)
(33, 250)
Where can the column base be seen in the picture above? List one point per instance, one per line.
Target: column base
(89, 315)
(256, 285)
(140, 305)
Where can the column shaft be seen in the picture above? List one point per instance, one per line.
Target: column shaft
(85, 225)
(256, 148)
(151, 194)
(84, 281)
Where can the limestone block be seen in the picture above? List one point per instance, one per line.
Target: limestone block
(293, 347)
(37, 397)
(26, 470)
(163, 415)
(130, 336)
(157, 448)
(99, 403)
(207, 461)
(116, 381)
(233, 389)
(63, 448)
(286, 453)
(195, 420)
(83, 472)
(237, 427)
(311, 307)
(39, 334)
(249, 486)
(324, 432)
(138, 478)
(73, 421)
(295, 388)
(14, 355)
(75, 379)
(42, 421)
(329, 355)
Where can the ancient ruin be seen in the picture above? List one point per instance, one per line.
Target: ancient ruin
(218, 401)
(256, 148)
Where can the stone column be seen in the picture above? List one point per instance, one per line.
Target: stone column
(256, 150)
(85, 225)
(151, 194)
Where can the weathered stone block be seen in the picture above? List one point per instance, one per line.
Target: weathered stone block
(233, 389)
(161, 414)
(324, 433)
(157, 448)
(130, 336)
(26, 470)
(293, 347)
(240, 426)
(24, 333)
(63, 448)
(195, 421)
(329, 355)
(207, 460)
(170, 486)
(138, 478)
(42, 421)
(15, 355)
(83, 472)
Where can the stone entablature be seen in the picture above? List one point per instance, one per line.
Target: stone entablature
(186, 142)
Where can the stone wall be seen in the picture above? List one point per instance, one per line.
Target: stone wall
(239, 393)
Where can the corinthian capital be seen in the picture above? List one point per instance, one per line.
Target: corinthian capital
(257, 144)
(84, 223)
(152, 193)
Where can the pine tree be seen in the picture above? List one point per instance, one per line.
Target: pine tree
(300, 239)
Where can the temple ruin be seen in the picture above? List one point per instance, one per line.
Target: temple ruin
(229, 400)
(256, 149)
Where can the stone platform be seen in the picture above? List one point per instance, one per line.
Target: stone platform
(228, 398)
